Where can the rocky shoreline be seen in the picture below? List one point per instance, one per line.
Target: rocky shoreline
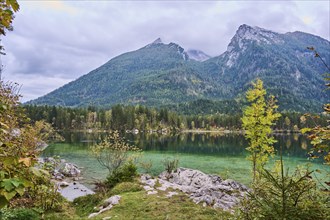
(205, 189)
(65, 177)
(210, 190)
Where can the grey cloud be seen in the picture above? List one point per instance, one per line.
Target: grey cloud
(65, 43)
(33, 86)
(51, 59)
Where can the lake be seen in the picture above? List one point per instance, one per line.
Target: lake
(214, 153)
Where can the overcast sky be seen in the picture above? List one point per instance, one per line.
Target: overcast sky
(55, 42)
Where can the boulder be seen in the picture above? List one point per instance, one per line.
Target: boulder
(113, 200)
(209, 190)
(51, 160)
(193, 178)
(92, 215)
(63, 184)
(148, 188)
(145, 177)
(204, 188)
(107, 205)
(147, 180)
(57, 175)
(70, 170)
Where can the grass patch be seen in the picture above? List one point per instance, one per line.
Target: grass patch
(157, 184)
(139, 205)
(68, 213)
(126, 187)
(136, 204)
(19, 214)
(85, 205)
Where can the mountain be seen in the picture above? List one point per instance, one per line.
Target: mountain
(157, 74)
(197, 55)
(288, 69)
(160, 74)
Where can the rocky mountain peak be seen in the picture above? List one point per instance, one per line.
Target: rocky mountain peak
(157, 75)
(245, 34)
(254, 33)
(157, 41)
(180, 50)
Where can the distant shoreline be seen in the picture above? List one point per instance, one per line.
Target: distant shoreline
(185, 131)
(213, 131)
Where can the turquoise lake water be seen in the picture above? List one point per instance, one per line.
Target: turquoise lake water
(220, 154)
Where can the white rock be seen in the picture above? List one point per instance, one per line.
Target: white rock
(113, 200)
(107, 205)
(170, 194)
(63, 184)
(162, 188)
(152, 192)
(145, 177)
(70, 170)
(204, 188)
(105, 209)
(58, 176)
(92, 215)
(148, 188)
(102, 210)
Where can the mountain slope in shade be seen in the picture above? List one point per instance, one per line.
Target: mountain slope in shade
(165, 74)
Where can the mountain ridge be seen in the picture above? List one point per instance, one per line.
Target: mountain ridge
(159, 74)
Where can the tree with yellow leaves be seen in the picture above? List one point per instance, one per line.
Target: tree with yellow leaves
(7, 10)
(257, 121)
(320, 136)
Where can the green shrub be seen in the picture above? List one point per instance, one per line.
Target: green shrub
(126, 173)
(126, 187)
(278, 195)
(170, 164)
(19, 214)
(113, 152)
(146, 166)
(46, 197)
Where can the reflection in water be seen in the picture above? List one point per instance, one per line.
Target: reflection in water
(192, 143)
(209, 152)
(304, 145)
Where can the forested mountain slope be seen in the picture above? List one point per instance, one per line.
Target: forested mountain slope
(163, 74)
(282, 61)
